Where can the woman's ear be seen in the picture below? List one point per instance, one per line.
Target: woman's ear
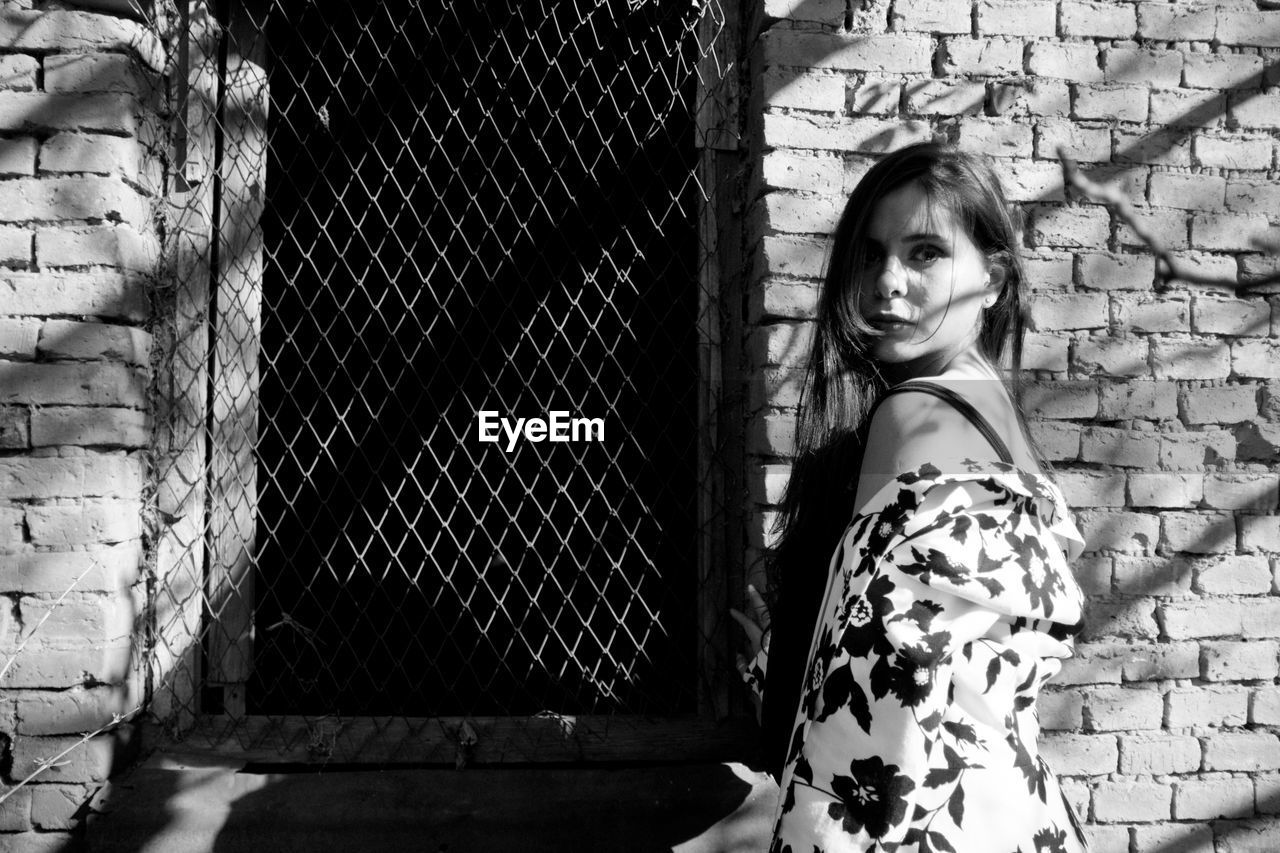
(997, 272)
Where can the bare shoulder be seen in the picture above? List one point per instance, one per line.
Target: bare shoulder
(910, 429)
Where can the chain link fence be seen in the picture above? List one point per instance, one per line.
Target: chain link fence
(385, 219)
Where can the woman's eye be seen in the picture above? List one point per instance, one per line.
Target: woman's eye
(926, 254)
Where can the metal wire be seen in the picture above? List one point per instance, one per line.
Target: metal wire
(389, 217)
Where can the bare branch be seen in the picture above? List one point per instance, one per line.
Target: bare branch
(1168, 267)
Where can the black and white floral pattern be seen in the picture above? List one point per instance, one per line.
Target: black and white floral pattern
(949, 603)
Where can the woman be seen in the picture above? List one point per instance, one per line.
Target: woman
(927, 600)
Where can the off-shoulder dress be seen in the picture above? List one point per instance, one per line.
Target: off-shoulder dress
(949, 603)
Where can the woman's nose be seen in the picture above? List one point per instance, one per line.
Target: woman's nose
(891, 281)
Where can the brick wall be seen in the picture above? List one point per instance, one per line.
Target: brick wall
(79, 183)
(1160, 408)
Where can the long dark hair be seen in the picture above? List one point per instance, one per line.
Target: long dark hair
(844, 382)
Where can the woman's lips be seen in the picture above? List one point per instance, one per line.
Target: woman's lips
(889, 324)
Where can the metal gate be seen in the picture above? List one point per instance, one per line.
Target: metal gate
(388, 219)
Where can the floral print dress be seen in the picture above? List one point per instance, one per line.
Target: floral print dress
(949, 603)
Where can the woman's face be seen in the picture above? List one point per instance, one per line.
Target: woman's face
(924, 286)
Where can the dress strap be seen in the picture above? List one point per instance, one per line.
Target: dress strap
(961, 404)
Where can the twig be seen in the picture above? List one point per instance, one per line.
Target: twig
(13, 657)
(1168, 267)
(45, 764)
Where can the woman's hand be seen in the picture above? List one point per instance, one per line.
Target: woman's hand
(757, 627)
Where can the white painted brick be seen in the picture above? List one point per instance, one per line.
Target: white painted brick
(1133, 618)
(1260, 533)
(89, 427)
(74, 198)
(791, 212)
(931, 16)
(88, 762)
(84, 523)
(1113, 446)
(18, 72)
(69, 339)
(1210, 617)
(1081, 755)
(1143, 313)
(1159, 576)
(1165, 838)
(776, 387)
(1138, 400)
(1158, 754)
(1188, 191)
(1185, 450)
(1109, 271)
(1240, 27)
(1233, 575)
(801, 171)
(91, 384)
(859, 134)
(1061, 399)
(111, 569)
(1255, 359)
(804, 89)
(1169, 227)
(96, 475)
(1208, 799)
(1129, 532)
(1250, 110)
(996, 137)
(1099, 20)
(1226, 404)
(772, 435)
(96, 72)
(1153, 147)
(875, 96)
(786, 344)
(1102, 838)
(1044, 352)
(104, 294)
(1058, 441)
(791, 300)
(78, 709)
(1190, 358)
(1227, 231)
(1257, 492)
(1222, 70)
(943, 97)
(1258, 266)
(1112, 356)
(1086, 488)
(1031, 96)
(1164, 489)
(1199, 532)
(1073, 227)
(1250, 196)
(1142, 66)
(1183, 108)
(1093, 573)
(1165, 22)
(1205, 705)
(890, 54)
(1060, 710)
(1082, 143)
(1261, 617)
(1131, 800)
(821, 11)
(1238, 152)
(1048, 271)
(1264, 706)
(1112, 102)
(768, 484)
(1239, 661)
(1219, 267)
(1015, 18)
(1074, 61)
(109, 112)
(18, 338)
(797, 257)
(1247, 751)
(981, 56)
(18, 155)
(1059, 311)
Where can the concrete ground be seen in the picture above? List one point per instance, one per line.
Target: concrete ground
(175, 803)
